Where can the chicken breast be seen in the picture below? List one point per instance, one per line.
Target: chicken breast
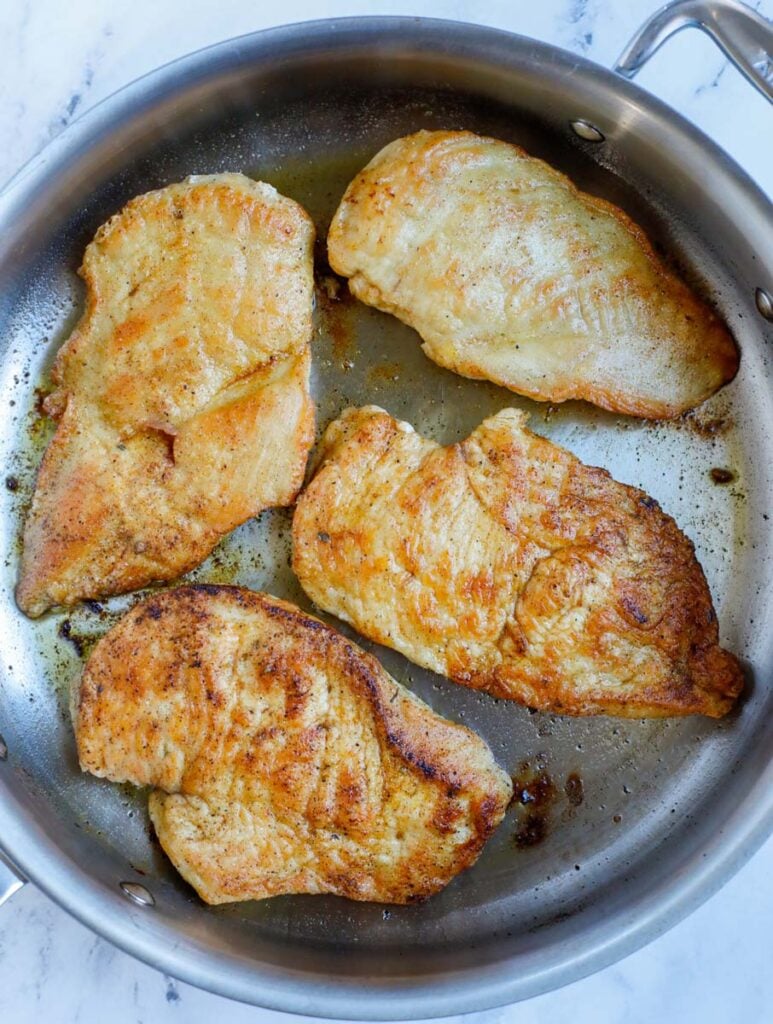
(511, 274)
(507, 565)
(182, 396)
(284, 758)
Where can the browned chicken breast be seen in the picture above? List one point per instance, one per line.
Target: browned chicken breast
(284, 758)
(182, 396)
(511, 274)
(507, 565)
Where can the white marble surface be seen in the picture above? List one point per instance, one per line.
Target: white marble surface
(58, 58)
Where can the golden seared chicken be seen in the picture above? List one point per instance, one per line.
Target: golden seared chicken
(182, 396)
(511, 274)
(283, 758)
(507, 565)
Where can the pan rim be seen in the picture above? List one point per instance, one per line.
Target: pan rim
(475, 988)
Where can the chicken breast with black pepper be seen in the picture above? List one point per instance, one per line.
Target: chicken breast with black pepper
(283, 758)
(182, 396)
(510, 273)
(507, 565)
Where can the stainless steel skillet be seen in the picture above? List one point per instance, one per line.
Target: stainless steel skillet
(639, 822)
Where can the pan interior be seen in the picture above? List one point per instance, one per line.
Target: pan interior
(618, 794)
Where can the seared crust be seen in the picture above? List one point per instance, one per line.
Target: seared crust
(507, 565)
(510, 273)
(286, 760)
(182, 396)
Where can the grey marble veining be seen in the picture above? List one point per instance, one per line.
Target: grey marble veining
(57, 60)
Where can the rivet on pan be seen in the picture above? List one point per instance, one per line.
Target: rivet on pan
(3, 750)
(764, 303)
(138, 894)
(586, 130)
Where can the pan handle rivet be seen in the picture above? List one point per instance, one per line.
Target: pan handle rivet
(138, 894)
(3, 750)
(586, 130)
(764, 302)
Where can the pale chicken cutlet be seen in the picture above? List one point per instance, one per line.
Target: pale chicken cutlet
(182, 396)
(509, 273)
(283, 758)
(507, 565)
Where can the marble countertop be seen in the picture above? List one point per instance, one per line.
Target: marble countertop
(59, 59)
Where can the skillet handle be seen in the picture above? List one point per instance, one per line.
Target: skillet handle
(11, 879)
(744, 36)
